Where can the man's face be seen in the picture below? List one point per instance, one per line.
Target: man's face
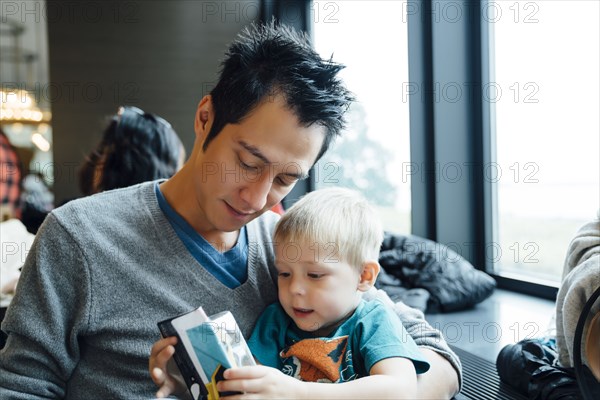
(249, 167)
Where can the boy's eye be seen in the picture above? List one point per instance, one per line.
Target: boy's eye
(315, 275)
(284, 274)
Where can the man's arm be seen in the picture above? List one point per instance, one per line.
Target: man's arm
(441, 381)
(44, 317)
(444, 378)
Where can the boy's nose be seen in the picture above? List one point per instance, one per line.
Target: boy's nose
(297, 286)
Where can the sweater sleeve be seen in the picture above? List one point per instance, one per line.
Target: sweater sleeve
(419, 329)
(575, 290)
(49, 311)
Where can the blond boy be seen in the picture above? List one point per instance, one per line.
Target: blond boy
(322, 331)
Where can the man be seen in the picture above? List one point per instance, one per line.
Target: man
(105, 269)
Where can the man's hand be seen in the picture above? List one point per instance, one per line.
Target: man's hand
(161, 353)
(260, 382)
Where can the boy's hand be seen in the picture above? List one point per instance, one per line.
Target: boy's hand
(260, 382)
(161, 353)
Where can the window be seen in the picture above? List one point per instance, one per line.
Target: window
(373, 155)
(546, 111)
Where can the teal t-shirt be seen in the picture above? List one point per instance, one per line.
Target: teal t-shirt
(230, 267)
(371, 334)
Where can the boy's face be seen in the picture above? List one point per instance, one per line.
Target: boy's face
(249, 167)
(316, 288)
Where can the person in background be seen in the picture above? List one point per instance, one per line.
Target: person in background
(543, 367)
(37, 201)
(10, 180)
(15, 242)
(14, 238)
(136, 147)
(580, 278)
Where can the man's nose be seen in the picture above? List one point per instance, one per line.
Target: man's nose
(256, 193)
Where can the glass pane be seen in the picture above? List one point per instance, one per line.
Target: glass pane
(373, 155)
(547, 102)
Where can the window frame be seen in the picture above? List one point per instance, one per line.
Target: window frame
(467, 226)
(472, 146)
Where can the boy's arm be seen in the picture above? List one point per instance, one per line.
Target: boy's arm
(391, 378)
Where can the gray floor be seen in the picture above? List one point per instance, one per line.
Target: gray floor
(502, 319)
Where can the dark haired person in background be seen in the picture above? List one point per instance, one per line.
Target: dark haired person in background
(106, 268)
(136, 147)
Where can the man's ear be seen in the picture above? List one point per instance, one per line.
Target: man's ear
(368, 276)
(204, 118)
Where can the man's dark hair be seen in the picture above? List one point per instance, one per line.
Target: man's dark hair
(268, 60)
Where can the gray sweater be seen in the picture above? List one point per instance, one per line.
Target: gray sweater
(581, 277)
(102, 272)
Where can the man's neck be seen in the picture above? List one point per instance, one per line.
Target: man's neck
(182, 201)
(222, 242)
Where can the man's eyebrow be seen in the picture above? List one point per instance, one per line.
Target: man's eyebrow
(254, 151)
(257, 153)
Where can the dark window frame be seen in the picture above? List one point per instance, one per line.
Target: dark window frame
(449, 132)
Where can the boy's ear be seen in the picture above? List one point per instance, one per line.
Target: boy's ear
(204, 116)
(370, 270)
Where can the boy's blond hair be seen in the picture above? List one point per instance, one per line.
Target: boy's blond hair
(338, 219)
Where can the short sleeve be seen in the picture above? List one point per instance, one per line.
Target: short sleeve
(380, 335)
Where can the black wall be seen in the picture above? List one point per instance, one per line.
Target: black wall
(161, 56)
